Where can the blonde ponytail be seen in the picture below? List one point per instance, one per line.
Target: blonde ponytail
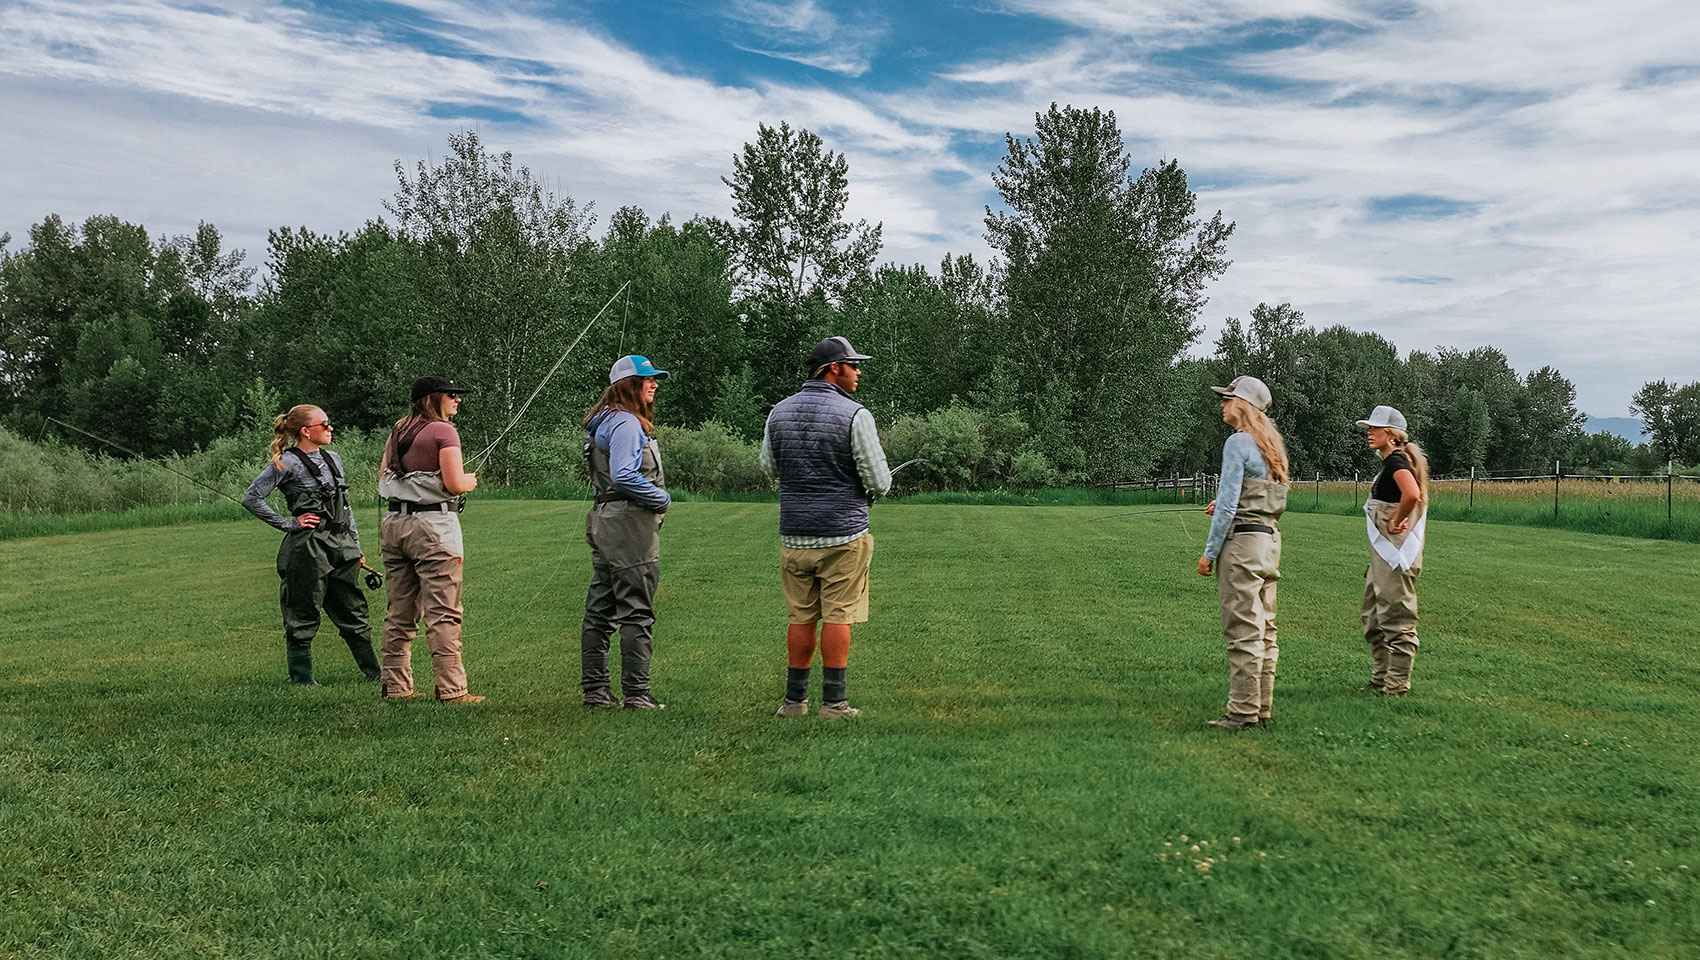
(1257, 424)
(1419, 459)
(287, 427)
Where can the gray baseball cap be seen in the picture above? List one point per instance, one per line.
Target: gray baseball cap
(633, 365)
(833, 350)
(1385, 416)
(1249, 389)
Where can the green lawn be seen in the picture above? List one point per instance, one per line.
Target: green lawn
(1028, 779)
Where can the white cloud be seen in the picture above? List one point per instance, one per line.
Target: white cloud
(805, 32)
(1569, 136)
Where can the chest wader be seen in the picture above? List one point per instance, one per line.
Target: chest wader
(625, 563)
(422, 548)
(1389, 608)
(1246, 575)
(320, 569)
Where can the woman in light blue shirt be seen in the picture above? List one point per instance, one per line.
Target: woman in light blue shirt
(1244, 550)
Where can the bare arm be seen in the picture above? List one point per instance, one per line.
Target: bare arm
(455, 478)
(1410, 497)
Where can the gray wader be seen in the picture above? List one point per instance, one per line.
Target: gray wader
(320, 569)
(1246, 576)
(1389, 609)
(625, 560)
(422, 548)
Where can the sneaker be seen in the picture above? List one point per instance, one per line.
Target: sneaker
(841, 708)
(464, 698)
(643, 701)
(793, 708)
(1391, 693)
(1230, 723)
(398, 696)
(600, 699)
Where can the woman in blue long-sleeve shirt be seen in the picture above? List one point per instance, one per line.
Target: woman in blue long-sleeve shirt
(1244, 550)
(624, 532)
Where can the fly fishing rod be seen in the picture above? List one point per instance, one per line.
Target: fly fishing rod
(541, 383)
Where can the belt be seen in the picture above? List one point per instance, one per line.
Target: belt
(1253, 528)
(408, 506)
(602, 498)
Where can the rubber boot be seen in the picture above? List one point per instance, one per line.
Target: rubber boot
(365, 657)
(300, 660)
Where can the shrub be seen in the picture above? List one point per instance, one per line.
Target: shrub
(710, 459)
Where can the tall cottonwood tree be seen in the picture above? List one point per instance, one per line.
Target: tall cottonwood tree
(497, 254)
(1103, 275)
(794, 255)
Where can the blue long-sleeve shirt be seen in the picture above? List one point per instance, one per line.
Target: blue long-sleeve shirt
(622, 436)
(1240, 456)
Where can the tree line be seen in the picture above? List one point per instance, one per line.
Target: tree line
(1063, 360)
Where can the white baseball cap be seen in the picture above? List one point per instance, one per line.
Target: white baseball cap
(1249, 389)
(1385, 416)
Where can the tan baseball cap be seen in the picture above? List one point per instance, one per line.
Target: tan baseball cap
(1249, 389)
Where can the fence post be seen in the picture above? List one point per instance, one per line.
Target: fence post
(1472, 488)
(1354, 489)
(1318, 504)
(1670, 475)
(1556, 473)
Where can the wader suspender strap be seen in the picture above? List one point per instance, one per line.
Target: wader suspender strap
(338, 492)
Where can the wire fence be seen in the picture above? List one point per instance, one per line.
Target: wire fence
(1663, 506)
(1660, 506)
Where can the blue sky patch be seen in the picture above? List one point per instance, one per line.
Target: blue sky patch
(1416, 206)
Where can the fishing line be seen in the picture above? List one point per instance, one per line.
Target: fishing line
(115, 444)
(527, 404)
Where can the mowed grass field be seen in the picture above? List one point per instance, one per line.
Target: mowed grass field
(1030, 777)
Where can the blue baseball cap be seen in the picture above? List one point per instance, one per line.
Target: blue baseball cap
(634, 366)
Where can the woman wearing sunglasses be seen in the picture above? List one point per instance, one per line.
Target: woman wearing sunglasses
(320, 559)
(424, 480)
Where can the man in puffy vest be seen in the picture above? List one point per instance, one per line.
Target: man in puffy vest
(823, 448)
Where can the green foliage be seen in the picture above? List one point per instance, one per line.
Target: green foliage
(137, 341)
(736, 406)
(789, 239)
(1671, 414)
(1103, 276)
(710, 459)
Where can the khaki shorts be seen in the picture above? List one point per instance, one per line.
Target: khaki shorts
(830, 584)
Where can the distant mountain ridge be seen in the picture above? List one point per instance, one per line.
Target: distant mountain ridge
(1628, 428)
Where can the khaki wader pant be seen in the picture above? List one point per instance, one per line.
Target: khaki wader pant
(1246, 576)
(1389, 611)
(625, 570)
(422, 578)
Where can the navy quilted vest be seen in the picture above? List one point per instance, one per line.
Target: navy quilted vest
(820, 492)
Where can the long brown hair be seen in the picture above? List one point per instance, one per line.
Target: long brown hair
(1419, 459)
(286, 428)
(624, 394)
(1248, 419)
(426, 410)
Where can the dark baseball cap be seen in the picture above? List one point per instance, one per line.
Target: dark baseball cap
(436, 383)
(832, 350)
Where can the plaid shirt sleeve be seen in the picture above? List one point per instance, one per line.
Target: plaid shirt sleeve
(870, 456)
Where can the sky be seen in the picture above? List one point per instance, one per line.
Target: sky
(1446, 174)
